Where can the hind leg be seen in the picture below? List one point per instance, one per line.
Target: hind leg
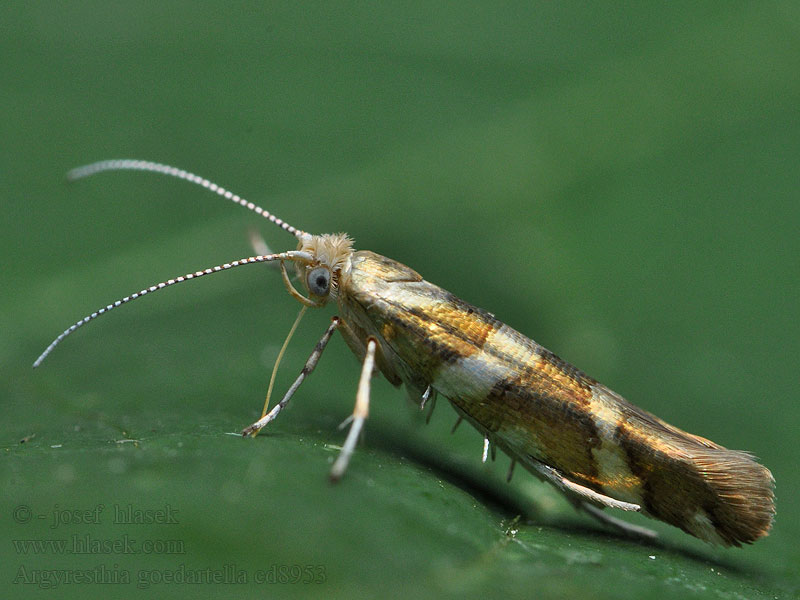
(592, 502)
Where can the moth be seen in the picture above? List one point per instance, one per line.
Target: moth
(560, 424)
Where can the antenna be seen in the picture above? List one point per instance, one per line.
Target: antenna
(293, 255)
(128, 164)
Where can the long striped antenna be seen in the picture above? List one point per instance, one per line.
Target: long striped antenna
(127, 164)
(293, 255)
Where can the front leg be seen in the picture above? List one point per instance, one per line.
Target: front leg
(307, 369)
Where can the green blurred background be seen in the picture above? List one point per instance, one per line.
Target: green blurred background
(617, 181)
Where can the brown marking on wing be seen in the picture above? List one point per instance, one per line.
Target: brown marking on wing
(684, 477)
(425, 341)
(560, 432)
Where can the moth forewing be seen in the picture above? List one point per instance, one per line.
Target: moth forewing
(561, 425)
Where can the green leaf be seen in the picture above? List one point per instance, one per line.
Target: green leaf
(618, 182)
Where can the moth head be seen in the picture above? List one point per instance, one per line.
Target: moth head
(330, 256)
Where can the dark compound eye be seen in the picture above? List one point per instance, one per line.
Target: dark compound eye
(319, 281)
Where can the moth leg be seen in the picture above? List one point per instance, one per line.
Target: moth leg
(306, 370)
(511, 470)
(433, 405)
(456, 424)
(591, 502)
(425, 396)
(581, 494)
(360, 412)
(429, 395)
(622, 526)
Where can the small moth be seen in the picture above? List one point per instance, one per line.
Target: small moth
(561, 425)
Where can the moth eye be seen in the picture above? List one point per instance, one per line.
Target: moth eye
(319, 281)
